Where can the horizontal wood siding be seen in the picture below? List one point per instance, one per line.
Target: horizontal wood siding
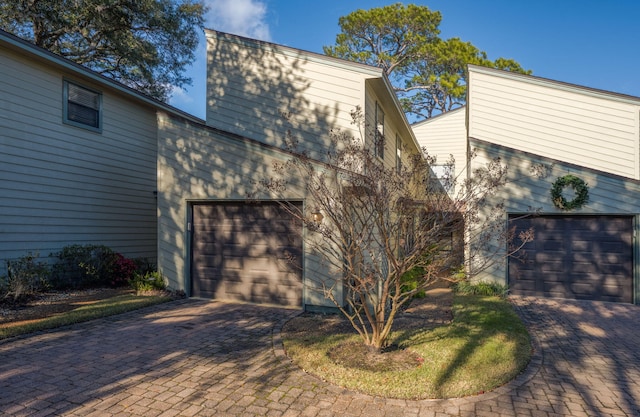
(265, 92)
(62, 185)
(568, 124)
(525, 193)
(197, 164)
(444, 136)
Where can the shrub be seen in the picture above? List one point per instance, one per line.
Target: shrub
(144, 265)
(149, 281)
(410, 279)
(122, 270)
(481, 288)
(25, 276)
(82, 266)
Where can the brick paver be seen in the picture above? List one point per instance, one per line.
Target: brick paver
(197, 358)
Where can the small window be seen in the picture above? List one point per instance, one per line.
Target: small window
(398, 154)
(379, 133)
(82, 107)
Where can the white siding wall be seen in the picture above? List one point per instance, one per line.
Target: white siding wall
(572, 124)
(443, 136)
(250, 85)
(60, 184)
(608, 194)
(199, 164)
(394, 124)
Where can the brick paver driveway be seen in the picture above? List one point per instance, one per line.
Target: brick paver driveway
(196, 358)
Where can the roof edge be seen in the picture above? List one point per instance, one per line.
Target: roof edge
(314, 56)
(576, 88)
(32, 49)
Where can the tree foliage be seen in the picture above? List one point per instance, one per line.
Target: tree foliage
(145, 44)
(381, 227)
(428, 73)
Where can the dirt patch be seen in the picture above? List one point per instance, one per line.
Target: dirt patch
(435, 309)
(39, 306)
(358, 356)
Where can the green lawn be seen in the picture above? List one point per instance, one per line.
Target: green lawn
(103, 308)
(484, 347)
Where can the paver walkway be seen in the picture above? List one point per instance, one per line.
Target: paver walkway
(197, 358)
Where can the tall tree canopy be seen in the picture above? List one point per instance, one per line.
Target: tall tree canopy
(428, 73)
(145, 44)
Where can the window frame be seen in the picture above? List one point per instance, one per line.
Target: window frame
(66, 101)
(378, 137)
(398, 153)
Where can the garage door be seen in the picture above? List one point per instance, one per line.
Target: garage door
(246, 252)
(579, 257)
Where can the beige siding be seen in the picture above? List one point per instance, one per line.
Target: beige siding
(61, 184)
(445, 136)
(525, 193)
(251, 85)
(200, 164)
(572, 124)
(395, 124)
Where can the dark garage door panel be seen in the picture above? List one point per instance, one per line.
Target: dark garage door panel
(246, 252)
(581, 257)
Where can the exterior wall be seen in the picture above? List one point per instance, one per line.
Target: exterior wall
(395, 124)
(265, 92)
(444, 136)
(61, 184)
(261, 90)
(525, 193)
(198, 164)
(591, 128)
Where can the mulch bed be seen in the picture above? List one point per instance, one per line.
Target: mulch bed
(47, 304)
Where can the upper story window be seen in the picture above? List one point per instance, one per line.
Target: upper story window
(82, 107)
(398, 153)
(379, 132)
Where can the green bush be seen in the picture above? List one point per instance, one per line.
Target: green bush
(25, 276)
(148, 281)
(85, 266)
(410, 281)
(481, 288)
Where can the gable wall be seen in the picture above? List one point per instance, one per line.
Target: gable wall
(567, 123)
(250, 85)
(444, 136)
(61, 184)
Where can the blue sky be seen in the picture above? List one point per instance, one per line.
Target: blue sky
(584, 42)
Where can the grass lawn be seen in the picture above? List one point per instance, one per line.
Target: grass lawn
(485, 346)
(102, 308)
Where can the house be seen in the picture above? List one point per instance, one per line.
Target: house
(86, 160)
(258, 95)
(78, 159)
(579, 136)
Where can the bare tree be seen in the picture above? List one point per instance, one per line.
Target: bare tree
(376, 225)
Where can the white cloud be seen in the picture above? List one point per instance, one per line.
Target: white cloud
(240, 17)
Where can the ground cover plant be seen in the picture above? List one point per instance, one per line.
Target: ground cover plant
(484, 346)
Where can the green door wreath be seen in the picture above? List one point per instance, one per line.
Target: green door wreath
(579, 186)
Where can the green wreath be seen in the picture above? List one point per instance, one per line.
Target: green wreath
(578, 185)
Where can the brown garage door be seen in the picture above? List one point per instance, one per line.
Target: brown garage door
(580, 257)
(246, 252)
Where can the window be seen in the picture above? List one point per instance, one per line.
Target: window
(82, 107)
(398, 154)
(379, 133)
